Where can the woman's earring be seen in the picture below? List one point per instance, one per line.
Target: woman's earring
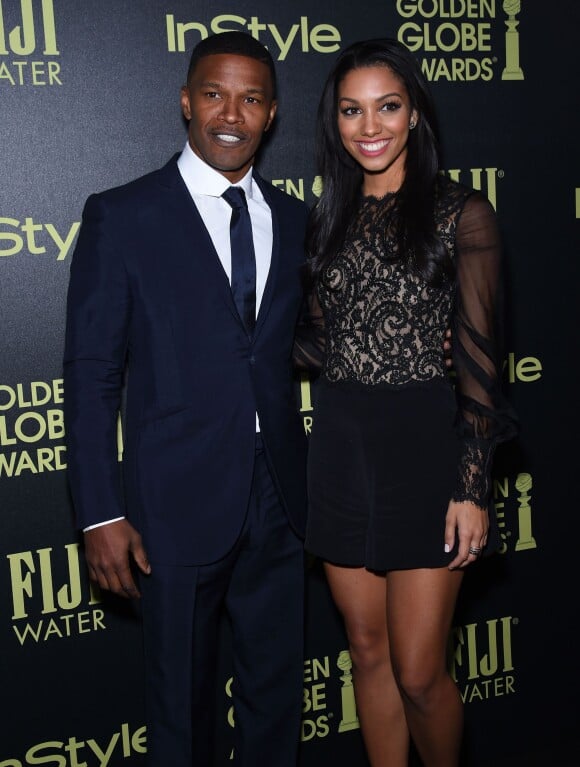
(412, 124)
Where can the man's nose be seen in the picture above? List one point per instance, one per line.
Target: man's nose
(231, 112)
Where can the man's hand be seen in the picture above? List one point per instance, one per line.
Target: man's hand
(108, 549)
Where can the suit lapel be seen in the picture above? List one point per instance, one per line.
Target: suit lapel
(196, 238)
(266, 301)
(198, 243)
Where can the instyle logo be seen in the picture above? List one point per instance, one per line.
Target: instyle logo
(29, 236)
(73, 752)
(31, 428)
(462, 40)
(28, 33)
(518, 369)
(50, 599)
(302, 36)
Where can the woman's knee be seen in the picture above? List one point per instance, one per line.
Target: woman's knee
(420, 683)
(368, 647)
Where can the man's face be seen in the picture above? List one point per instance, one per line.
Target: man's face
(229, 104)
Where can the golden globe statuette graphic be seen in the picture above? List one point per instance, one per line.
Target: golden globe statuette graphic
(512, 69)
(525, 540)
(317, 186)
(349, 719)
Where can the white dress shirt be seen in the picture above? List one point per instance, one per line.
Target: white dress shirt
(206, 187)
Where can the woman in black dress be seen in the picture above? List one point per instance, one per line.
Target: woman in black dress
(399, 457)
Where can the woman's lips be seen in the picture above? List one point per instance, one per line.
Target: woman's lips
(373, 148)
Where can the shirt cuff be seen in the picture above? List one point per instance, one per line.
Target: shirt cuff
(100, 524)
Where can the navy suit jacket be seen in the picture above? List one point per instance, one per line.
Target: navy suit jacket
(150, 316)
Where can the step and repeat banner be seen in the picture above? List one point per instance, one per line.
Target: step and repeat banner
(89, 98)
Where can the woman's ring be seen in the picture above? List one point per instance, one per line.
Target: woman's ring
(474, 550)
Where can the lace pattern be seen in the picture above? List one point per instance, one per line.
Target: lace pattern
(385, 326)
(474, 472)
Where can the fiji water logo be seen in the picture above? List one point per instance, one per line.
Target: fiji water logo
(27, 36)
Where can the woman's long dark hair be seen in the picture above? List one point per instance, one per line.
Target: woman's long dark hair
(342, 176)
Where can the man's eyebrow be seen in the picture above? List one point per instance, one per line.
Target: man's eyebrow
(218, 86)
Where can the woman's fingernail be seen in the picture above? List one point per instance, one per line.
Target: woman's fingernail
(447, 548)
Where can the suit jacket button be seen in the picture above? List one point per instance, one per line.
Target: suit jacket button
(252, 360)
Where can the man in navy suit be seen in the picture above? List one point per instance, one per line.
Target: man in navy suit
(210, 501)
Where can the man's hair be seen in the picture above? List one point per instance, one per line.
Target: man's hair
(237, 44)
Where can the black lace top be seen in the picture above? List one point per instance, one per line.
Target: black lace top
(385, 326)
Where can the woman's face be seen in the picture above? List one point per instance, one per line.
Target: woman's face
(374, 113)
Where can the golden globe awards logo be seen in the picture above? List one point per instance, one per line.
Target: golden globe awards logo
(349, 719)
(320, 715)
(512, 69)
(513, 501)
(463, 40)
(50, 599)
(28, 421)
(27, 34)
(301, 36)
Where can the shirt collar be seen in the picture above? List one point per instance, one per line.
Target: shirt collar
(201, 179)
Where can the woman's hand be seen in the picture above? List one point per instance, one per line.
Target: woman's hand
(471, 524)
(448, 349)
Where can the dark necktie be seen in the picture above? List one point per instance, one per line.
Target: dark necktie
(243, 258)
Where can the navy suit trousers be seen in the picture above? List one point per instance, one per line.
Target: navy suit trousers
(260, 584)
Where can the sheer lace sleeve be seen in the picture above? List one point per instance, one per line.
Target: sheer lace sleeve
(484, 417)
(309, 340)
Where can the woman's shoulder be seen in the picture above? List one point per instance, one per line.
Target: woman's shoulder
(450, 192)
(452, 199)
(465, 215)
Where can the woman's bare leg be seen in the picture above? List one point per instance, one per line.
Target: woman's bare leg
(361, 597)
(420, 608)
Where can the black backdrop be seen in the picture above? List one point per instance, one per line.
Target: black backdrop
(89, 99)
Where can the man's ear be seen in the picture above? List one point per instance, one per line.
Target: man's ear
(185, 102)
(273, 110)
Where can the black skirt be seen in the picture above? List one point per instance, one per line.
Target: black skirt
(382, 468)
